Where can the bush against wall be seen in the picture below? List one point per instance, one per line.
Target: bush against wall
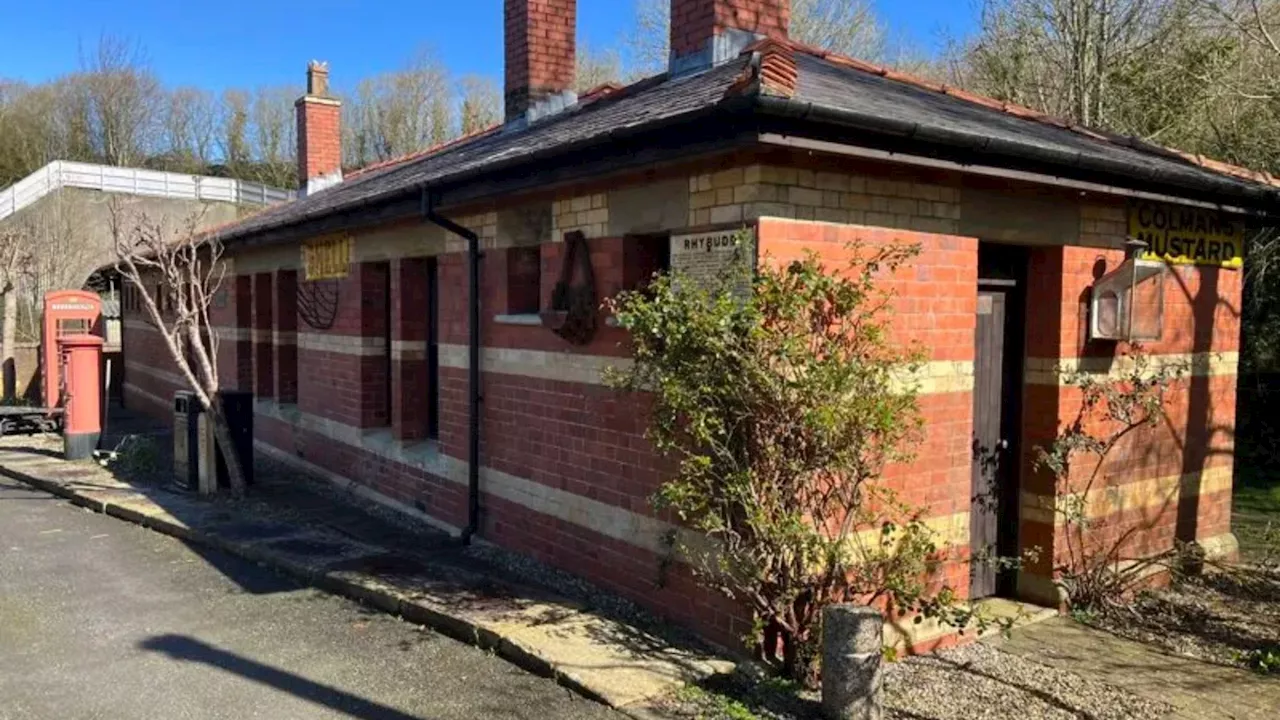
(781, 398)
(1094, 567)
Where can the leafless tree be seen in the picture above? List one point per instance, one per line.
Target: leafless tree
(15, 255)
(849, 27)
(189, 122)
(481, 103)
(1194, 74)
(1071, 58)
(124, 97)
(596, 67)
(39, 124)
(275, 135)
(233, 131)
(64, 248)
(400, 112)
(176, 274)
(1256, 25)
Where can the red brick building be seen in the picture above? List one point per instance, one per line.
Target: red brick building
(389, 322)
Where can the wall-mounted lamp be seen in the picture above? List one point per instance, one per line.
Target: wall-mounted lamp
(1128, 302)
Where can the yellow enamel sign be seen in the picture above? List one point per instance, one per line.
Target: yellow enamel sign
(1187, 236)
(326, 258)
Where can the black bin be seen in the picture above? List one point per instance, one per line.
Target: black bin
(186, 439)
(237, 408)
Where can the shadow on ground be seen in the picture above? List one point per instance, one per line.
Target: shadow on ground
(187, 649)
(332, 536)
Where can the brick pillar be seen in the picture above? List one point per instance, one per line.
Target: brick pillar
(375, 367)
(263, 345)
(286, 336)
(243, 339)
(1041, 407)
(409, 382)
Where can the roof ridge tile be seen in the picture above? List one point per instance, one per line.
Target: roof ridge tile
(419, 154)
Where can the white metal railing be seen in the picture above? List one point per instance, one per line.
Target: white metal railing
(105, 178)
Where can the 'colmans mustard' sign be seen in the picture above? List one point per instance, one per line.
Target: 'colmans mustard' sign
(1187, 235)
(326, 258)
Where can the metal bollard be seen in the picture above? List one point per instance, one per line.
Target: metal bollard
(852, 637)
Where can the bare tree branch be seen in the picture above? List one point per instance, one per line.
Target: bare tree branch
(177, 273)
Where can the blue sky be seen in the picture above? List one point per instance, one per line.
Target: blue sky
(268, 42)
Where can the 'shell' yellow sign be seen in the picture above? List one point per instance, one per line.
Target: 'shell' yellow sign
(1187, 236)
(326, 258)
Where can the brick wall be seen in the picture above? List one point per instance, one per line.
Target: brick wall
(933, 309)
(566, 475)
(1159, 483)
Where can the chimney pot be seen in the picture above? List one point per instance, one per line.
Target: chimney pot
(318, 78)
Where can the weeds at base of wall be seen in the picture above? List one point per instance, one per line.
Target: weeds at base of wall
(1265, 661)
(135, 458)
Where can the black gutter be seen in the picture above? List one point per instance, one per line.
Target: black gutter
(473, 361)
(1202, 181)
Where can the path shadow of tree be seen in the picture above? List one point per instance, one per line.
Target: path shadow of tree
(1233, 611)
(188, 649)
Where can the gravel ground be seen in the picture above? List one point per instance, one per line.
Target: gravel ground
(967, 683)
(980, 681)
(1219, 617)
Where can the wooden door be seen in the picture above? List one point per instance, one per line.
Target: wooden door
(990, 444)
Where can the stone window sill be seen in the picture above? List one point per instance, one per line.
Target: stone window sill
(520, 319)
(531, 319)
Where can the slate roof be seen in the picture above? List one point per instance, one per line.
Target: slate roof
(949, 115)
(877, 99)
(644, 103)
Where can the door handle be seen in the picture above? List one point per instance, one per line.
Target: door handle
(1003, 444)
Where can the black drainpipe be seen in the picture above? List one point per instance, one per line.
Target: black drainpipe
(473, 361)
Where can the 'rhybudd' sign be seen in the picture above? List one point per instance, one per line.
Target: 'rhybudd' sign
(1186, 236)
(705, 256)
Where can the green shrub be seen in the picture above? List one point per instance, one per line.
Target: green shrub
(136, 457)
(782, 399)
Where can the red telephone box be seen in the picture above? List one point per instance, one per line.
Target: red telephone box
(72, 356)
(66, 312)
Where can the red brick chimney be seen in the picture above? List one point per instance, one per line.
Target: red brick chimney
(319, 133)
(709, 32)
(540, 57)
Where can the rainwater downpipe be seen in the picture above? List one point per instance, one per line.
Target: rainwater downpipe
(473, 361)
